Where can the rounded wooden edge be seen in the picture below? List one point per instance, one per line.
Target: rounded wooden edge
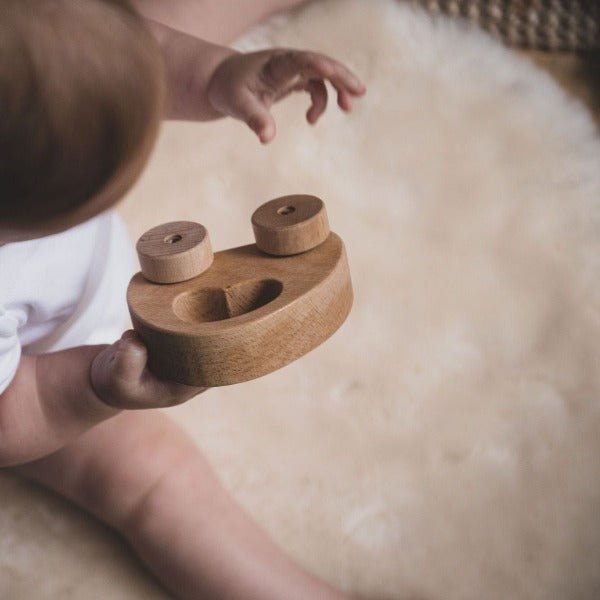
(143, 296)
(174, 252)
(228, 349)
(290, 225)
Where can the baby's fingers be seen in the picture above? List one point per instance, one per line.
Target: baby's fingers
(162, 393)
(117, 370)
(286, 66)
(340, 76)
(145, 390)
(129, 358)
(346, 84)
(318, 95)
(256, 115)
(121, 378)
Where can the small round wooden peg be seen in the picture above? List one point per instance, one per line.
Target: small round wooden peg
(174, 252)
(290, 225)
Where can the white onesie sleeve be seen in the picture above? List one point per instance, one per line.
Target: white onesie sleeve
(10, 347)
(63, 290)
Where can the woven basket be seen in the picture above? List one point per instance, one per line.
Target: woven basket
(551, 25)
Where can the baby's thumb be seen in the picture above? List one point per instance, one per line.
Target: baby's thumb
(130, 357)
(141, 388)
(118, 367)
(120, 378)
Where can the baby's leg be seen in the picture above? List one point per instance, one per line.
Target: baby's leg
(139, 473)
(212, 20)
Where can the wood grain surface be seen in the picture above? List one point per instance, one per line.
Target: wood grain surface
(243, 312)
(248, 315)
(174, 252)
(290, 224)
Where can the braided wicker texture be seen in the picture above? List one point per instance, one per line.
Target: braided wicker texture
(552, 25)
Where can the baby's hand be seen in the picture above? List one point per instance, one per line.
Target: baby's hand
(120, 377)
(245, 86)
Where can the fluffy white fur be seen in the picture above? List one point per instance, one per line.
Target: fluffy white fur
(445, 443)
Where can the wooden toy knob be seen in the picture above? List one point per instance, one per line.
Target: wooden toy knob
(290, 225)
(174, 252)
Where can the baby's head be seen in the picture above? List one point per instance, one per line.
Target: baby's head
(81, 95)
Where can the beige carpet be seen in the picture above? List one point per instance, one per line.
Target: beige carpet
(445, 444)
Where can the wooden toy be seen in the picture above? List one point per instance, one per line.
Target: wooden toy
(247, 311)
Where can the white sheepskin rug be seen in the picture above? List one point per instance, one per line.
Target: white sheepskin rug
(445, 443)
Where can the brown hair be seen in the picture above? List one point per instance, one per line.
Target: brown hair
(81, 94)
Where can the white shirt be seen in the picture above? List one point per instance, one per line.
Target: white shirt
(63, 290)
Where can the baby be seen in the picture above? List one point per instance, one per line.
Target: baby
(83, 87)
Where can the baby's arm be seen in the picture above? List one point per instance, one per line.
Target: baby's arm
(140, 474)
(49, 402)
(206, 81)
(189, 64)
(214, 20)
(55, 397)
